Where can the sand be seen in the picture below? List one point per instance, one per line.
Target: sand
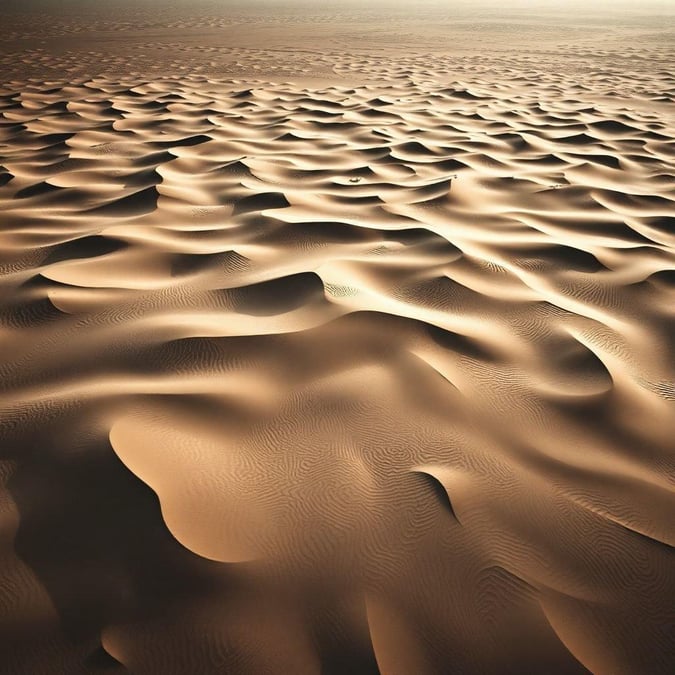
(337, 340)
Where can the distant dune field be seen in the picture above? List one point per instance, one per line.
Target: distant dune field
(337, 339)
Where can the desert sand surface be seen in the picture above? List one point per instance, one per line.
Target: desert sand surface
(337, 338)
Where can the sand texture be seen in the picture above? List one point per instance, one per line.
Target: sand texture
(336, 344)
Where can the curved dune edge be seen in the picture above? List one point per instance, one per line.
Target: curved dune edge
(156, 458)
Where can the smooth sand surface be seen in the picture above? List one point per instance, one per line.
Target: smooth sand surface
(336, 341)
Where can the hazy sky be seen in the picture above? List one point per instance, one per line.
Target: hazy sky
(336, 4)
(578, 8)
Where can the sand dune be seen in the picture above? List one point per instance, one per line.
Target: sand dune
(329, 359)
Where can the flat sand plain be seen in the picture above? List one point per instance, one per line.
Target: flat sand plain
(336, 341)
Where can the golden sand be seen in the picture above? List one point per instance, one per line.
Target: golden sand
(336, 343)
